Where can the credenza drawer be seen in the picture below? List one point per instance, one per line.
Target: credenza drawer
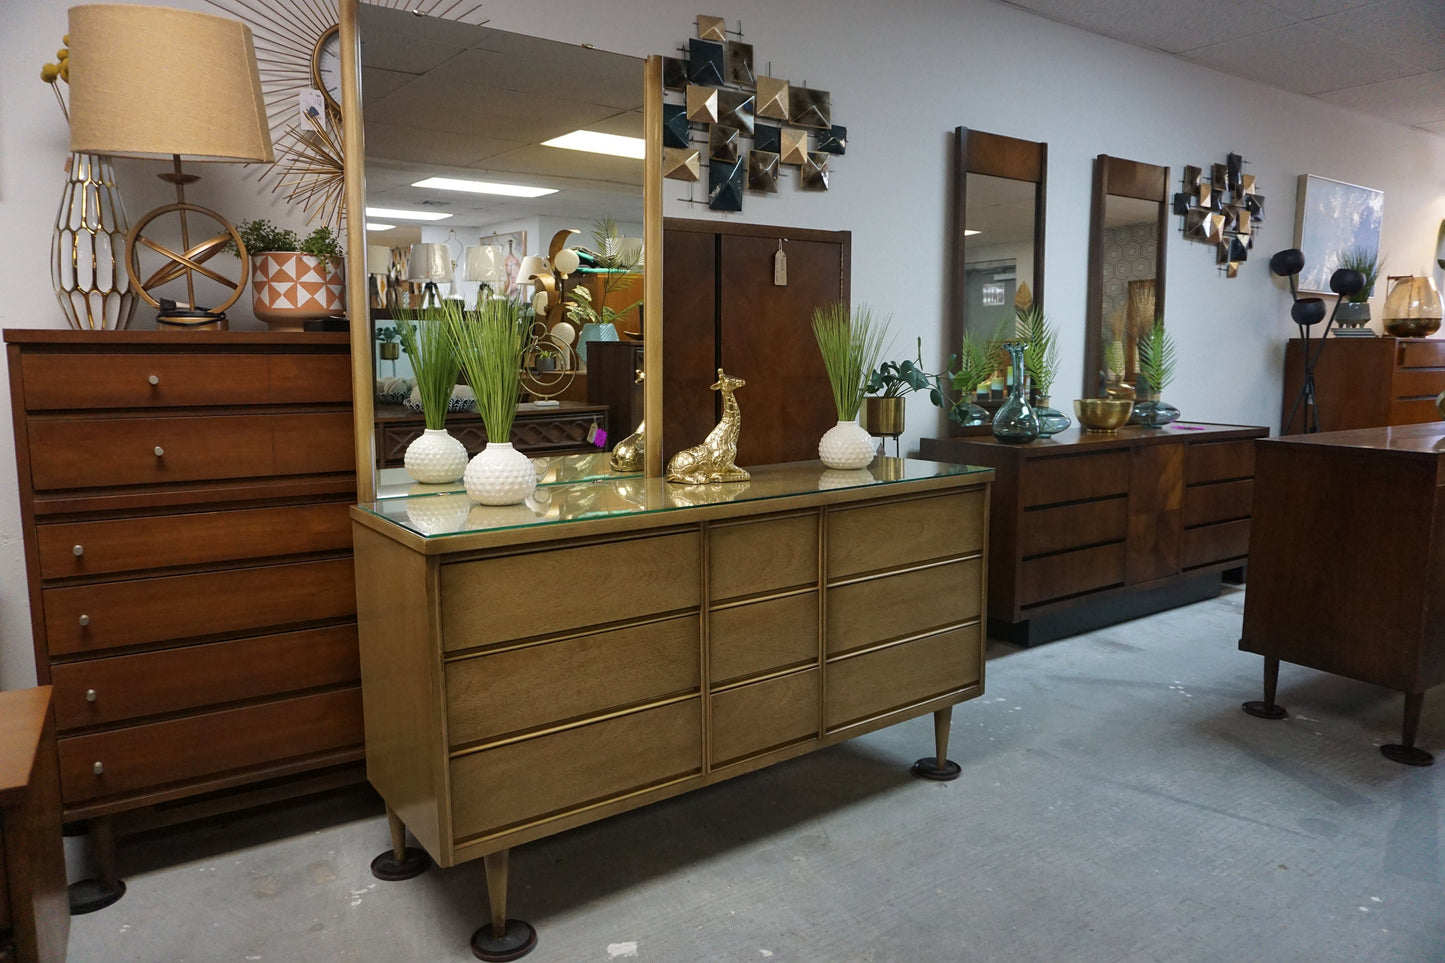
(892, 534)
(1209, 544)
(907, 603)
(625, 579)
(177, 680)
(119, 379)
(198, 538)
(1419, 411)
(1221, 502)
(1070, 478)
(1079, 525)
(761, 556)
(179, 750)
(1417, 383)
(874, 683)
(1422, 353)
(764, 715)
(1069, 573)
(504, 786)
(604, 671)
(106, 452)
(762, 636)
(105, 615)
(1217, 461)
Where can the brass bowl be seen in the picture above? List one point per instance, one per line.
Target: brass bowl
(1102, 415)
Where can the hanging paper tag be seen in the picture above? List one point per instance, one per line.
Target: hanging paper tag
(596, 436)
(309, 103)
(780, 267)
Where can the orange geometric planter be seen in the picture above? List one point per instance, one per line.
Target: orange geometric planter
(289, 288)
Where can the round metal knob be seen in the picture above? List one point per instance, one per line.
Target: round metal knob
(85, 620)
(159, 451)
(89, 695)
(78, 551)
(98, 768)
(154, 379)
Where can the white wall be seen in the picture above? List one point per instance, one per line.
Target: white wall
(902, 76)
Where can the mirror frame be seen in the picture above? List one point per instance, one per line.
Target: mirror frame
(362, 374)
(1120, 178)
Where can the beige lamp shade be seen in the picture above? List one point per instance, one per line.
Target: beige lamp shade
(430, 262)
(533, 265)
(481, 262)
(157, 82)
(1412, 307)
(378, 259)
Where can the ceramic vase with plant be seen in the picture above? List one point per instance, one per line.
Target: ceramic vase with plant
(1041, 362)
(977, 361)
(293, 279)
(1354, 311)
(434, 457)
(883, 409)
(850, 345)
(1157, 362)
(490, 344)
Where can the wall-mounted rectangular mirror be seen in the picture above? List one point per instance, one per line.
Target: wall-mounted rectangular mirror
(435, 98)
(1127, 237)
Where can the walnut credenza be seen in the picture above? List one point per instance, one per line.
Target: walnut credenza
(1089, 529)
(721, 629)
(1366, 382)
(184, 499)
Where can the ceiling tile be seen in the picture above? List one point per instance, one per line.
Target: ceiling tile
(1310, 9)
(1411, 31)
(1302, 58)
(1411, 100)
(1172, 27)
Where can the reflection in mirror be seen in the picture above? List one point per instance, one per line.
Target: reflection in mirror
(1126, 271)
(467, 110)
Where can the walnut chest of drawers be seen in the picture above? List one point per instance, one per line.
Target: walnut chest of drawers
(184, 499)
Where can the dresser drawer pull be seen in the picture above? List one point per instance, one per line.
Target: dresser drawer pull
(154, 379)
(78, 551)
(84, 620)
(89, 695)
(160, 451)
(98, 768)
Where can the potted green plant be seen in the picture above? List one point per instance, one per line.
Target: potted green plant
(1354, 310)
(1157, 362)
(850, 343)
(612, 263)
(883, 410)
(544, 361)
(433, 457)
(389, 343)
(977, 360)
(491, 343)
(1041, 363)
(293, 279)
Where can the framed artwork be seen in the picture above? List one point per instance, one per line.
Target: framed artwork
(511, 248)
(1333, 217)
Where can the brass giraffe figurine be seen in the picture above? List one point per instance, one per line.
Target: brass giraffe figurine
(714, 459)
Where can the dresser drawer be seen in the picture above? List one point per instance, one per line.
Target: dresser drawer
(1417, 412)
(762, 636)
(105, 452)
(137, 611)
(1049, 481)
(498, 599)
(762, 556)
(1422, 353)
(199, 538)
(875, 683)
(1217, 461)
(1417, 383)
(873, 537)
(1079, 525)
(180, 750)
(190, 678)
(1069, 573)
(1221, 502)
(506, 692)
(124, 380)
(1210, 544)
(764, 715)
(505, 786)
(868, 612)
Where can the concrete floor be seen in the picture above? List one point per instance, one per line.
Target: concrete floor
(1115, 805)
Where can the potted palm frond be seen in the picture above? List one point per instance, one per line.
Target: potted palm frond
(1354, 311)
(850, 343)
(434, 457)
(1041, 362)
(491, 343)
(1157, 362)
(977, 360)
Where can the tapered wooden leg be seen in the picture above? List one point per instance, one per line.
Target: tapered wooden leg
(938, 767)
(1267, 709)
(401, 861)
(501, 939)
(1406, 752)
(89, 895)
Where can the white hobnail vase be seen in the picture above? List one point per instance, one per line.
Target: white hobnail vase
(435, 458)
(846, 446)
(499, 475)
(438, 514)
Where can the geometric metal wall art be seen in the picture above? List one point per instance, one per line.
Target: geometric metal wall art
(1221, 206)
(748, 127)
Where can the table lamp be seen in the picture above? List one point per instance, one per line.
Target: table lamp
(430, 262)
(157, 82)
(483, 263)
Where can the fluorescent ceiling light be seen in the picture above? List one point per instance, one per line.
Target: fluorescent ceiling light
(967, 233)
(373, 226)
(395, 215)
(483, 187)
(593, 142)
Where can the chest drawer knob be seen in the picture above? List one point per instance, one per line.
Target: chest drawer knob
(154, 379)
(160, 451)
(98, 768)
(84, 620)
(78, 551)
(89, 695)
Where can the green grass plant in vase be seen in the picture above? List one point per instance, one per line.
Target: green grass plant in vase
(1041, 361)
(434, 457)
(850, 343)
(491, 343)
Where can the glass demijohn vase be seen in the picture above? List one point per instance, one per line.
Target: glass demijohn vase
(1015, 421)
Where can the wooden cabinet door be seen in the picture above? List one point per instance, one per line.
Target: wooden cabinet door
(689, 350)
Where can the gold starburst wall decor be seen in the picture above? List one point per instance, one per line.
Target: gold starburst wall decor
(311, 168)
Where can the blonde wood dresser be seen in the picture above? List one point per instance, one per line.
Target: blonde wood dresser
(707, 632)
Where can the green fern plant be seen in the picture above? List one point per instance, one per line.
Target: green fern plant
(978, 358)
(1157, 359)
(490, 343)
(1368, 262)
(850, 343)
(1041, 355)
(426, 338)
